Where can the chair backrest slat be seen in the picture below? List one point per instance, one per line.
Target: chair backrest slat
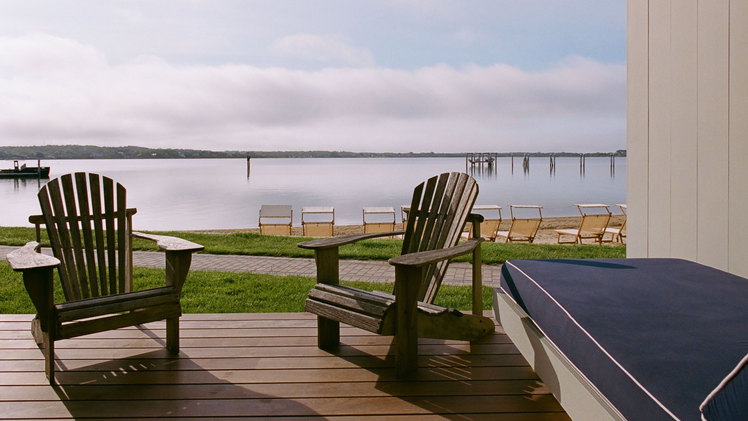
(85, 215)
(111, 234)
(75, 234)
(53, 233)
(437, 215)
(95, 184)
(123, 238)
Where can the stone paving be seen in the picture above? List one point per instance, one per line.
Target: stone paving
(459, 273)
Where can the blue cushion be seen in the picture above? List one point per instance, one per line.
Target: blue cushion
(655, 336)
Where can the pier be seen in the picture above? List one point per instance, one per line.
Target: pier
(480, 162)
(480, 159)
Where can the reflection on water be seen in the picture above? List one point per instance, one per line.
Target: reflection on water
(218, 193)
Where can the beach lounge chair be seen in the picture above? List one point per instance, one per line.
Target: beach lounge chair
(592, 226)
(490, 226)
(522, 229)
(90, 230)
(276, 219)
(372, 227)
(619, 234)
(404, 209)
(438, 212)
(318, 228)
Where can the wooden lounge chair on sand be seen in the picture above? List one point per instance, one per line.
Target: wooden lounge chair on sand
(276, 213)
(593, 225)
(318, 228)
(92, 245)
(490, 226)
(379, 226)
(439, 210)
(619, 234)
(522, 229)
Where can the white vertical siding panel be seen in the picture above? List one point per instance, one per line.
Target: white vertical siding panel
(713, 64)
(659, 128)
(738, 143)
(637, 126)
(683, 130)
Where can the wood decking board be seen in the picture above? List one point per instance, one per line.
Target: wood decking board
(264, 365)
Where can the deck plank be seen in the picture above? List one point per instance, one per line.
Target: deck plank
(260, 366)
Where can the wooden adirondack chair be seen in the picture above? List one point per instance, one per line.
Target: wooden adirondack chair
(437, 215)
(92, 245)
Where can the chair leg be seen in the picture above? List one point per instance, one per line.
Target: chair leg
(407, 283)
(172, 334)
(49, 358)
(328, 333)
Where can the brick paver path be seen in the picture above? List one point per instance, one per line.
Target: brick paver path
(459, 273)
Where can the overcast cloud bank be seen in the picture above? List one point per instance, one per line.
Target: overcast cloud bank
(59, 91)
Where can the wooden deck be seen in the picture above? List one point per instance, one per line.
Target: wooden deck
(263, 365)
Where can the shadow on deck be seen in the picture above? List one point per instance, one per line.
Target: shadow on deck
(264, 365)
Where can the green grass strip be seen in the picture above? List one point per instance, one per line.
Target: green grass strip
(226, 292)
(380, 249)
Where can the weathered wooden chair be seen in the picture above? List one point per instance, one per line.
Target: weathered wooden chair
(92, 243)
(437, 215)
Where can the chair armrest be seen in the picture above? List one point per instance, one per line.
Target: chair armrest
(28, 257)
(342, 240)
(168, 243)
(424, 258)
(475, 218)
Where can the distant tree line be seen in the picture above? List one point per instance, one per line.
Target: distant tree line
(136, 152)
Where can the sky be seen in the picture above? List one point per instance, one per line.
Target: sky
(362, 76)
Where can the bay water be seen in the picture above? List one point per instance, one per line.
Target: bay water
(202, 194)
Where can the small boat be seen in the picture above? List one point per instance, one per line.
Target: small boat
(25, 172)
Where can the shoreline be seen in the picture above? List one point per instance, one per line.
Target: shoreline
(545, 234)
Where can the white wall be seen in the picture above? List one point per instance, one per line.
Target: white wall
(688, 131)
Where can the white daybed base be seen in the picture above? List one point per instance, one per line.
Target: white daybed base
(580, 399)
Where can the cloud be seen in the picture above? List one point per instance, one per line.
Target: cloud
(322, 48)
(58, 91)
(466, 35)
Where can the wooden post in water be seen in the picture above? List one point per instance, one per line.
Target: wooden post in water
(552, 163)
(248, 166)
(582, 164)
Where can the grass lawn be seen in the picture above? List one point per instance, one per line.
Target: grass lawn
(226, 292)
(379, 249)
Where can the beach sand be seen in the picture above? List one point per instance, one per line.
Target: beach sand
(545, 234)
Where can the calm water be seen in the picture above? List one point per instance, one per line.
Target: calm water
(184, 194)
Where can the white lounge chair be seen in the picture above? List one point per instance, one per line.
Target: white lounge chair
(593, 225)
(522, 229)
(490, 225)
(318, 228)
(619, 234)
(269, 217)
(371, 227)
